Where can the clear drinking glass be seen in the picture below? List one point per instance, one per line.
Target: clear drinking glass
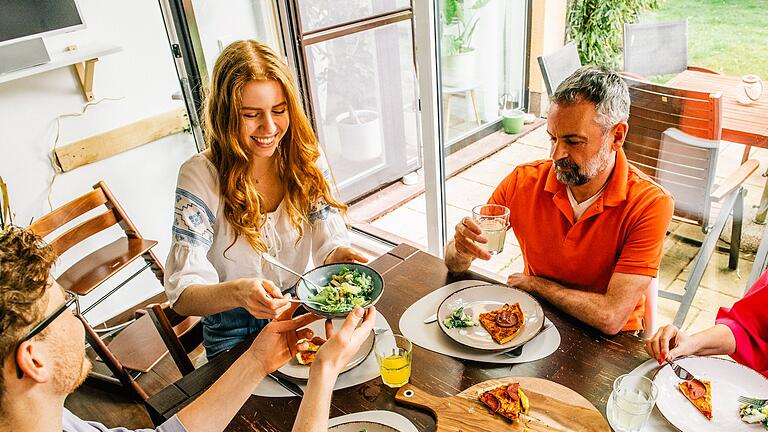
(394, 354)
(633, 398)
(494, 221)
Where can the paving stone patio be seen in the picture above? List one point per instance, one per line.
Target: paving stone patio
(720, 286)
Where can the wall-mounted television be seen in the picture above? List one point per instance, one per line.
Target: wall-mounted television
(23, 23)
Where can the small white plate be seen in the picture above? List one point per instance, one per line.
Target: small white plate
(729, 381)
(357, 426)
(295, 370)
(484, 298)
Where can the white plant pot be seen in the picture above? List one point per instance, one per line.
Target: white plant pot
(359, 141)
(459, 70)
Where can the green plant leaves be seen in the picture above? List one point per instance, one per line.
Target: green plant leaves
(597, 27)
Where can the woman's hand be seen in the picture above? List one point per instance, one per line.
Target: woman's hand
(344, 344)
(669, 342)
(277, 342)
(261, 298)
(344, 254)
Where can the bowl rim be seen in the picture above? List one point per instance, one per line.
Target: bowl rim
(338, 314)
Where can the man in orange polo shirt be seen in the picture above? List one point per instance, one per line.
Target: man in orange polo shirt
(590, 226)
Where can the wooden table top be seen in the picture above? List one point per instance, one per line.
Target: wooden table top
(743, 124)
(586, 361)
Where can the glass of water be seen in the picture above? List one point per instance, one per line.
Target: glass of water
(494, 221)
(633, 398)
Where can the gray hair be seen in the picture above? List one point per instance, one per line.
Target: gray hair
(601, 86)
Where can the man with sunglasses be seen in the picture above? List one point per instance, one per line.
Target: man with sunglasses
(42, 347)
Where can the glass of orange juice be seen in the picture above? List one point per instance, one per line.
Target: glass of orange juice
(394, 354)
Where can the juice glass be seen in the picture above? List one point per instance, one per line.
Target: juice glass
(633, 397)
(394, 354)
(494, 221)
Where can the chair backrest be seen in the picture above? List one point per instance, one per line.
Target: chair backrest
(559, 65)
(101, 195)
(674, 137)
(181, 334)
(656, 48)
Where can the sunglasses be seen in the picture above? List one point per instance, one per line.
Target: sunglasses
(71, 302)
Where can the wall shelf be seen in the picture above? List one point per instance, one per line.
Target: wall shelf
(83, 59)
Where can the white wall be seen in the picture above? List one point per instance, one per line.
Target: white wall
(143, 179)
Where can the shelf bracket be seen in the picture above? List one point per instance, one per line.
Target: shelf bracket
(84, 73)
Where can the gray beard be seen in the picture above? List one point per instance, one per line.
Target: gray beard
(569, 173)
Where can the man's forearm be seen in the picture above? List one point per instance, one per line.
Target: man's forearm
(313, 416)
(455, 261)
(215, 408)
(591, 308)
(207, 299)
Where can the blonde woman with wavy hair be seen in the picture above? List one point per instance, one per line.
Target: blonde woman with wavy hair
(263, 185)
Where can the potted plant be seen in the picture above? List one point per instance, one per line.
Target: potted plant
(458, 26)
(358, 122)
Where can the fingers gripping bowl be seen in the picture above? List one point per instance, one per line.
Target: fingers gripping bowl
(344, 286)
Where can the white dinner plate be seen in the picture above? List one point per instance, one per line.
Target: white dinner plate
(484, 298)
(729, 381)
(357, 426)
(295, 370)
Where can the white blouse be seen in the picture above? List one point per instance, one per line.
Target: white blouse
(202, 234)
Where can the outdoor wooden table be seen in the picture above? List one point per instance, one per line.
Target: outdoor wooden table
(586, 361)
(743, 124)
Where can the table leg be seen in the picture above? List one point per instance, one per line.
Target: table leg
(474, 107)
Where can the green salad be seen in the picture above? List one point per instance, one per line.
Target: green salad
(459, 319)
(347, 289)
(754, 414)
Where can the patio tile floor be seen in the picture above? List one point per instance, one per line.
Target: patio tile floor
(720, 286)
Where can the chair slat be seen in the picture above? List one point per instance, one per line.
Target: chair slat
(84, 230)
(68, 212)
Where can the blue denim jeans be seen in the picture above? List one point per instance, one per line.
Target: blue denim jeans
(224, 330)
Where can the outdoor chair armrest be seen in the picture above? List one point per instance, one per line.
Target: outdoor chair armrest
(735, 180)
(703, 69)
(633, 75)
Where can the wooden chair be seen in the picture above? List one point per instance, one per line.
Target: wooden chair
(559, 65)
(137, 347)
(181, 334)
(657, 48)
(674, 138)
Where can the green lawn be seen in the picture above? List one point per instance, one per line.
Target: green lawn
(729, 36)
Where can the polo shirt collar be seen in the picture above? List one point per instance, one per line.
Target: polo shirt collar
(616, 190)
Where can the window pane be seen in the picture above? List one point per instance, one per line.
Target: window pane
(317, 14)
(365, 104)
(482, 62)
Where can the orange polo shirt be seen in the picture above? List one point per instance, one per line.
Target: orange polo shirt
(622, 232)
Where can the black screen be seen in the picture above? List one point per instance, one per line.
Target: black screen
(27, 17)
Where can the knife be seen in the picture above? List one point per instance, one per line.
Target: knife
(287, 384)
(430, 319)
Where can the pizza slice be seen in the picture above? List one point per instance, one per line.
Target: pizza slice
(503, 324)
(699, 392)
(507, 400)
(308, 356)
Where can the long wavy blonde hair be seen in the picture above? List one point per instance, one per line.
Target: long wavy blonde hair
(303, 182)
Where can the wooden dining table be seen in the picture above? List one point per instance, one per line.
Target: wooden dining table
(743, 124)
(586, 360)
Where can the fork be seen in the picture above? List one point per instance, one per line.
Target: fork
(680, 372)
(752, 401)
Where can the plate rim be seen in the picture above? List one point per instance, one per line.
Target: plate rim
(655, 375)
(337, 314)
(346, 368)
(352, 422)
(501, 347)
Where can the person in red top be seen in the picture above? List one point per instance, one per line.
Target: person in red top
(590, 226)
(740, 331)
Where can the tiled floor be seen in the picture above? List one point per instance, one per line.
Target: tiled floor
(719, 287)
